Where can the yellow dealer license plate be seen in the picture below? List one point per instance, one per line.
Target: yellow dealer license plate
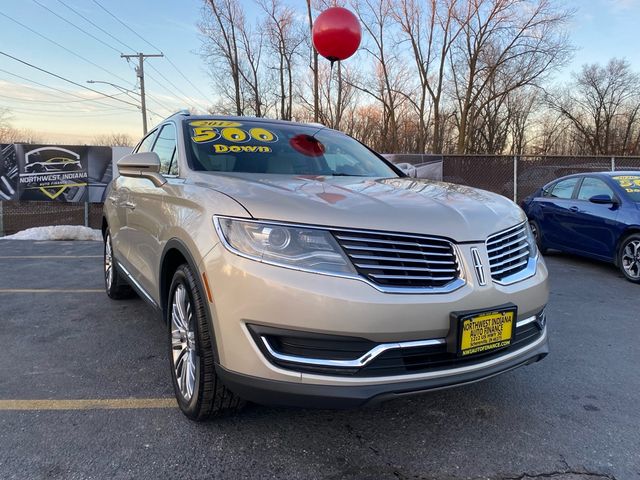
(485, 331)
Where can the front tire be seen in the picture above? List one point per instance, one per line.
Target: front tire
(199, 391)
(629, 257)
(537, 234)
(115, 284)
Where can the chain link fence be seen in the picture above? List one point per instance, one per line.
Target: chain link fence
(515, 177)
(16, 215)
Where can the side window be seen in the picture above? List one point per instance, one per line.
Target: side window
(145, 144)
(165, 148)
(593, 186)
(564, 188)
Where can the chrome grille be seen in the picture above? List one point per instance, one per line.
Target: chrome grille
(398, 260)
(508, 252)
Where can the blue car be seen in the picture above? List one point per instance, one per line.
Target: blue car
(596, 215)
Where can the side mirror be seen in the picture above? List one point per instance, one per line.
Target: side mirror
(408, 169)
(602, 199)
(142, 165)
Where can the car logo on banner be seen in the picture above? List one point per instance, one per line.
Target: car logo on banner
(52, 170)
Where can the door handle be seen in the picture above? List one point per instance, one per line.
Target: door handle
(129, 205)
(574, 209)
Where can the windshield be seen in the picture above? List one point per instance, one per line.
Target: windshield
(260, 147)
(630, 184)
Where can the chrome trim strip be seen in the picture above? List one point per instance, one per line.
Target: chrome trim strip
(531, 266)
(338, 380)
(136, 284)
(511, 243)
(527, 272)
(394, 250)
(408, 277)
(508, 260)
(407, 269)
(526, 321)
(450, 287)
(502, 232)
(389, 242)
(358, 362)
(510, 267)
(402, 259)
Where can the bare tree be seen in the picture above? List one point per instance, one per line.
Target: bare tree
(223, 21)
(313, 65)
(518, 42)
(430, 28)
(388, 84)
(252, 47)
(114, 140)
(5, 126)
(284, 37)
(602, 104)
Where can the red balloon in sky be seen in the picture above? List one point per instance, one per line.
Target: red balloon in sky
(336, 34)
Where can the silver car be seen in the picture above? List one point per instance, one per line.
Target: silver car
(295, 266)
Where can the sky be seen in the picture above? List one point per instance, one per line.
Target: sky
(600, 30)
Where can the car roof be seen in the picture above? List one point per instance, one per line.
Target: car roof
(607, 173)
(621, 172)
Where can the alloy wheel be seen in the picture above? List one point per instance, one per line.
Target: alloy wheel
(183, 345)
(631, 259)
(108, 262)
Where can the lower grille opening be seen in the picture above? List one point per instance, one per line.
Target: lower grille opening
(313, 353)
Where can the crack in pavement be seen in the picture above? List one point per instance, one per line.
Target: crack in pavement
(563, 475)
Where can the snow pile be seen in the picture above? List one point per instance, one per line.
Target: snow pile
(57, 232)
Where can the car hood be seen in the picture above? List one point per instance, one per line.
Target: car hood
(398, 204)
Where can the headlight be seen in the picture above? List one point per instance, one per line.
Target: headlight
(294, 247)
(531, 240)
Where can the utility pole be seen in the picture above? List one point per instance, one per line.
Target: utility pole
(140, 73)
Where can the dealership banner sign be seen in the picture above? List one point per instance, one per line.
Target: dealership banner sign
(58, 173)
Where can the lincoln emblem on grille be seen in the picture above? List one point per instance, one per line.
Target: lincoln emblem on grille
(477, 264)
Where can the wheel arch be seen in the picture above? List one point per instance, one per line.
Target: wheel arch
(176, 253)
(626, 232)
(105, 226)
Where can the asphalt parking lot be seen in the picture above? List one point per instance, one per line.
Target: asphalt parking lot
(85, 393)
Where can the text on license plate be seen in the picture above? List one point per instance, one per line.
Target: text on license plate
(486, 331)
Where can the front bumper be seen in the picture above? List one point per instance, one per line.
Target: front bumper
(246, 292)
(274, 392)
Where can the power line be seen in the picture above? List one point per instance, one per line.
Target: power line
(57, 113)
(140, 73)
(106, 32)
(80, 56)
(175, 67)
(184, 97)
(160, 104)
(127, 26)
(76, 26)
(65, 79)
(63, 47)
(98, 101)
(28, 100)
(62, 110)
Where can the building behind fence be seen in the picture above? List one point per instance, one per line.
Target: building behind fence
(515, 177)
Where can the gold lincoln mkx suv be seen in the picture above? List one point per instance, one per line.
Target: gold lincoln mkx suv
(295, 266)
